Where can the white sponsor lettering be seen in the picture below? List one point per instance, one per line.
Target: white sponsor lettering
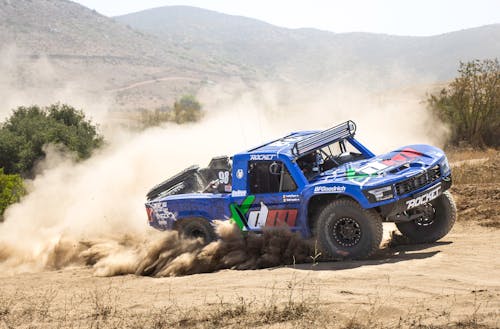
(239, 193)
(159, 205)
(261, 156)
(162, 214)
(291, 198)
(329, 189)
(423, 199)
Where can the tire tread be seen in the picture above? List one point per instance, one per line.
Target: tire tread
(374, 221)
(406, 229)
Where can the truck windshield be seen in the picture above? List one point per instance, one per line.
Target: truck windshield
(328, 157)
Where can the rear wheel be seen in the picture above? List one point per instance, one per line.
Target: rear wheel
(196, 228)
(434, 220)
(344, 230)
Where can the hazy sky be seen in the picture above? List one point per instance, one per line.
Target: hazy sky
(401, 17)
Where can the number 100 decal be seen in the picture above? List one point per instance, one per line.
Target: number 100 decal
(273, 217)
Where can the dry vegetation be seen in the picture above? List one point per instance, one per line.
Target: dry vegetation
(474, 166)
(477, 185)
(298, 306)
(103, 309)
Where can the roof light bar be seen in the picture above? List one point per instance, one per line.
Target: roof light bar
(324, 138)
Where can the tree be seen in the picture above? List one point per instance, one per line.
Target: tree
(470, 104)
(11, 190)
(187, 109)
(28, 129)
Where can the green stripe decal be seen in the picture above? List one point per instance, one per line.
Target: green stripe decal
(238, 212)
(353, 175)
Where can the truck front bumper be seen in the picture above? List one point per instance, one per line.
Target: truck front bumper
(397, 211)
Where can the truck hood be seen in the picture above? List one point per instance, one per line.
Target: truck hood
(384, 169)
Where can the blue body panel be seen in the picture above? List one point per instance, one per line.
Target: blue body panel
(169, 209)
(351, 180)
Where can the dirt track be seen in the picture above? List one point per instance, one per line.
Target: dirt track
(457, 279)
(454, 283)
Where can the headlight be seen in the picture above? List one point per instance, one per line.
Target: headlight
(445, 167)
(380, 194)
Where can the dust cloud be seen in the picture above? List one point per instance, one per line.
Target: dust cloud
(168, 255)
(91, 212)
(27, 79)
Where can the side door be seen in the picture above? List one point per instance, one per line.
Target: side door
(276, 199)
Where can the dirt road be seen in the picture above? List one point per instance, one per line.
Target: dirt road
(456, 280)
(147, 82)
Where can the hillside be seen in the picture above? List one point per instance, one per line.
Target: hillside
(96, 53)
(149, 58)
(309, 54)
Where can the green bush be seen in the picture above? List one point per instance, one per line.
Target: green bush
(187, 109)
(11, 190)
(28, 129)
(470, 104)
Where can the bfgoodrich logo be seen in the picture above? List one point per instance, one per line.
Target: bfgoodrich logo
(329, 189)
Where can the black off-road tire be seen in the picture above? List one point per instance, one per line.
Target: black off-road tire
(445, 214)
(344, 230)
(194, 228)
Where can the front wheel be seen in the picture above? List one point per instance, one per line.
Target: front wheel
(436, 220)
(344, 230)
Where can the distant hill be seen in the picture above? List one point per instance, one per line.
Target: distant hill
(309, 54)
(81, 44)
(149, 58)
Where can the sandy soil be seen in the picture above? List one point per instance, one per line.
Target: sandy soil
(454, 283)
(456, 279)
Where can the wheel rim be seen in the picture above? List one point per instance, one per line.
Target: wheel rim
(346, 232)
(427, 215)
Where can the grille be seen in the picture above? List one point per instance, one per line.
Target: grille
(416, 182)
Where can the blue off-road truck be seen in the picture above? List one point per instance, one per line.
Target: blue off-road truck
(323, 184)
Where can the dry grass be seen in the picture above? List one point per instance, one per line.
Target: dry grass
(298, 309)
(101, 308)
(470, 166)
(456, 154)
(476, 185)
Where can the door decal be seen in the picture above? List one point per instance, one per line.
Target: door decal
(262, 217)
